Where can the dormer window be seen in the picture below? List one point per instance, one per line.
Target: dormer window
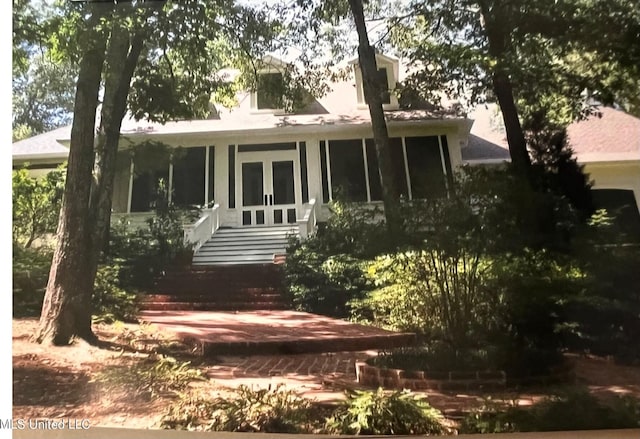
(387, 77)
(268, 96)
(270, 91)
(383, 82)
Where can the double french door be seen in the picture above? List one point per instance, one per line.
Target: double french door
(268, 188)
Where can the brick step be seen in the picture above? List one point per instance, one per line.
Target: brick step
(217, 290)
(272, 297)
(171, 286)
(213, 306)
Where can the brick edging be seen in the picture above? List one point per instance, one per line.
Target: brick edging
(420, 380)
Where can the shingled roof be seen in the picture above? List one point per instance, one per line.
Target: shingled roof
(615, 136)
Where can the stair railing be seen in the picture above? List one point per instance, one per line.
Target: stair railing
(307, 224)
(201, 231)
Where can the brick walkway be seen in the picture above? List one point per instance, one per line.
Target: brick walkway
(273, 332)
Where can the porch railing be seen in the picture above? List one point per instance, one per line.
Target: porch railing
(199, 232)
(307, 224)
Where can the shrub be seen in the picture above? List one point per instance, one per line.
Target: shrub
(437, 357)
(36, 204)
(110, 301)
(151, 377)
(30, 274)
(324, 285)
(324, 273)
(376, 413)
(269, 410)
(572, 410)
(434, 292)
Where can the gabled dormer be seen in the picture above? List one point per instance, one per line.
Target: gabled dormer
(268, 94)
(388, 76)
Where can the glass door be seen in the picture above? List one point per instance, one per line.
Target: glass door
(268, 189)
(282, 202)
(253, 194)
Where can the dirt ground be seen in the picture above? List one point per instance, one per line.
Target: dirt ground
(60, 382)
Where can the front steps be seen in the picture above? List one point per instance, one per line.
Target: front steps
(218, 288)
(245, 245)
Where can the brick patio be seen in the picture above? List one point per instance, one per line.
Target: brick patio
(273, 332)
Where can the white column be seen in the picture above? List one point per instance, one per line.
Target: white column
(170, 180)
(206, 174)
(366, 169)
(406, 169)
(130, 192)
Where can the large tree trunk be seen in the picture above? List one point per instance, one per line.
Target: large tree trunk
(66, 311)
(122, 59)
(496, 25)
(373, 96)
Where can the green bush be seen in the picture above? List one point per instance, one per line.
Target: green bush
(573, 410)
(437, 357)
(324, 273)
(150, 377)
(269, 410)
(376, 413)
(110, 302)
(434, 292)
(30, 275)
(36, 204)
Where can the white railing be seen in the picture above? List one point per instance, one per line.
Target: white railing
(307, 224)
(199, 232)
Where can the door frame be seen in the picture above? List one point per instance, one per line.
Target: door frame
(267, 158)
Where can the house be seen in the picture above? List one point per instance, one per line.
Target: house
(261, 167)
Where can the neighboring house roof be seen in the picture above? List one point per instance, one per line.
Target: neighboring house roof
(613, 137)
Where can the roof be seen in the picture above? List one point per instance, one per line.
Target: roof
(43, 146)
(338, 108)
(615, 136)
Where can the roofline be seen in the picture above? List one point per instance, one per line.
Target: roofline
(42, 156)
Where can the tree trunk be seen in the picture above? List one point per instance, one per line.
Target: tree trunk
(66, 311)
(497, 29)
(121, 61)
(373, 96)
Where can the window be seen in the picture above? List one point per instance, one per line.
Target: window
(188, 180)
(421, 168)
(383, 83)
(397, 162)
(347, 170)
(426, 173)
(386, 78)
(145, 188)
(270, 91)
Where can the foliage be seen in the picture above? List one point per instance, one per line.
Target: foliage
(36, 204)
(145, 253)
(606, 313)
(276, 410)
(376, 413)
(110, 302)
(557, 169)
(574, 409)
(437, 357)
(30, 274)
(152, 377)
(552, 51)
(43, 96)
(435, 292)
(324, 273)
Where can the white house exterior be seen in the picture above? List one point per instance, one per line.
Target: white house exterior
(262, 167)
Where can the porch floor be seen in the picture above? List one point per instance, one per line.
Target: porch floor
(272, 332)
